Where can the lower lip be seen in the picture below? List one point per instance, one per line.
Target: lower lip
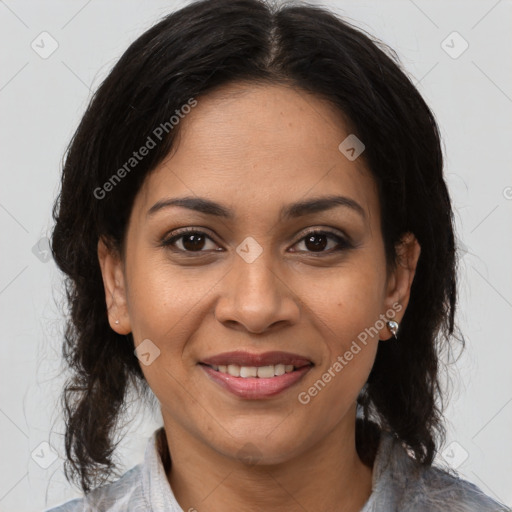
(255, 387)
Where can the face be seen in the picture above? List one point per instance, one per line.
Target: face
(289, 259)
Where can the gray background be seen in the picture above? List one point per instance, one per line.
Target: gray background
(41, 102)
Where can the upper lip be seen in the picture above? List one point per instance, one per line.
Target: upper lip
(242, 358)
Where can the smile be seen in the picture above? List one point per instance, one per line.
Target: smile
(255, 382)
(261, 372)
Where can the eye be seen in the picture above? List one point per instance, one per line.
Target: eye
(317, 241)
(190, 240)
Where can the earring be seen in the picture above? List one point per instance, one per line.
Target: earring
(117, 321)
(393, 327)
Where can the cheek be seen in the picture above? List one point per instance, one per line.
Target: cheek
(346, 301)
(162, 298)
(167, 304)
(345, 308)
(163, 304)
(348, 326)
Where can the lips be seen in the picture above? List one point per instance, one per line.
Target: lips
(256, 376)
(241, 358)
(254, 388)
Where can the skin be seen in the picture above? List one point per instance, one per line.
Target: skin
(254, 149)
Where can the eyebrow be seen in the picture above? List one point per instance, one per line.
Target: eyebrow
(291, 211)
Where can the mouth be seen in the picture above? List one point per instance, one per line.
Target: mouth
(256, 376)
(249, 360)
(258, 372)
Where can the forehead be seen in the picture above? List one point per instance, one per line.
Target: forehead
(257, 147)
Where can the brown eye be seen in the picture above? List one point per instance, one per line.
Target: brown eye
(190, 241)
(318, 241)
(193, 241)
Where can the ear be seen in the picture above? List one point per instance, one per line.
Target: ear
(112, 271)
(400, 281)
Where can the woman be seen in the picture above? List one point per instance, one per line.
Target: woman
(256, 230)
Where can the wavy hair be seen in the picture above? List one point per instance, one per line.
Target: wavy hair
(187, 54)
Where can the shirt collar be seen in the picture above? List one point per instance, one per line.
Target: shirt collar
(156, 488)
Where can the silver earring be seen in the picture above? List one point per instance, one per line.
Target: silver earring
(117, 321)
(393, 327)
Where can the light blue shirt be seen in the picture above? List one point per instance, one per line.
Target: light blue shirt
(399, 484)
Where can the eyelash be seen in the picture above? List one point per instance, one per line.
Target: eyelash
(342, 243)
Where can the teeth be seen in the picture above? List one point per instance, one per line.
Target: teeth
(263, 372)
(279, 369)
(266, 371)
(234, 369)
(248, 371)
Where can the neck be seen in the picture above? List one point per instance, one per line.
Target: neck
(328, 476)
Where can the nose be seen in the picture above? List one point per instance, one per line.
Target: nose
(255, 298)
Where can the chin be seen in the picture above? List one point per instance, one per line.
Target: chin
(263, 450)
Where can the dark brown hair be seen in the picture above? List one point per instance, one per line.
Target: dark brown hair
(187, 54)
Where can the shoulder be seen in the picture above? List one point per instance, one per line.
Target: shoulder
(143, 488)
(410, 486)
(439, 490)
(114, 497)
